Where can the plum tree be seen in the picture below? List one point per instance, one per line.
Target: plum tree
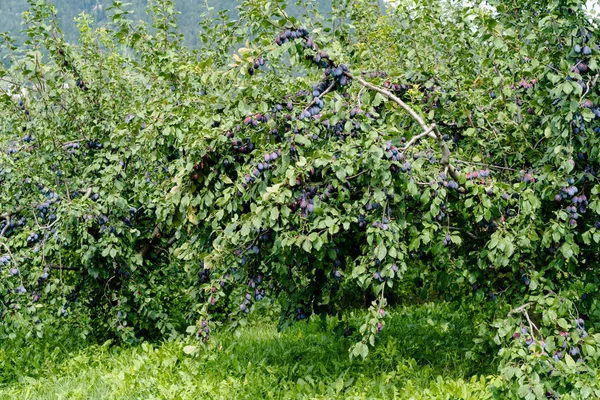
(317, 168)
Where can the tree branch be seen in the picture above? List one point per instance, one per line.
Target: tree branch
(392, 97)
(485, 165)
(418, 137)
(519, 309)
(431, 131)
(156, 233)
(63, 267)
(320, 96)
(7, 215)
(5, 227)
(469, 234)
(523, 310)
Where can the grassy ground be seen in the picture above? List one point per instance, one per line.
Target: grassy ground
(421, 355)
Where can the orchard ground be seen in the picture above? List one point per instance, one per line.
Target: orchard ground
(421, 355)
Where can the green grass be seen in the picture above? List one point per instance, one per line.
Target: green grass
(420, 355)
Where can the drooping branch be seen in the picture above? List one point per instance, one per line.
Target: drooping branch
(5, 227)
(329, 88)
(428, 130)
(7, 215)
(519, 309)
(392, 97)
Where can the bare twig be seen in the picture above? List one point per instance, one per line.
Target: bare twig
(418, 137)
(523, 310)
(357, 175)
(88, 193)
(519, 309)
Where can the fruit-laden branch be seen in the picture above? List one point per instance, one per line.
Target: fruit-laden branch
(314, 100)
(7, 215)
(5, 227)
(431, 131)
(428, 130)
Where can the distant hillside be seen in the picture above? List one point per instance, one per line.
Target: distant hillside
(11, 13)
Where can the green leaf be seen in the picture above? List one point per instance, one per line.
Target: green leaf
(381, 252)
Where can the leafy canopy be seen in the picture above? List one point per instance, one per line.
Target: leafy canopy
(437, 150)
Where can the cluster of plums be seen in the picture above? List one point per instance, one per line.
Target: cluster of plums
(291, 34)
(318, 103)
(44, 209)
(527, 177)
(23, 107)
(243, 146)
(339, 73)
(579, 204)
(204, 331)
(81, 84)
(585, 50)
(262, 166)
(525, 84)
(449, 183)
(93, 145)
(447, 240)
(254, 120)
(71, 147)
(442, 214)
(484, 173)
(304, 202)
(256, 64)
(392, 152)
(204, 274)
(33, 238)
(574, 351)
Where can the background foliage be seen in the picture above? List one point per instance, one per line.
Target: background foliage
(438, 151)
(191, 13)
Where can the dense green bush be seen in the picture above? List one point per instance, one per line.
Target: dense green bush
(439, 150)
